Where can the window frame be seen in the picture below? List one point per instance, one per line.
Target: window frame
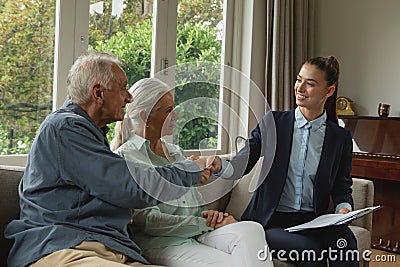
(71, 40)
(164, 48)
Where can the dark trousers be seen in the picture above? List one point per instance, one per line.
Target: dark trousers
(335, 244)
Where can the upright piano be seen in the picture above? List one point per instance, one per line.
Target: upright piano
(376, 156)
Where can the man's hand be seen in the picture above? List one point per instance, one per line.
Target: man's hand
(215, 163)
(205, 175)
(207, 165)
(193, 157)
(212, 163)
(205, 172)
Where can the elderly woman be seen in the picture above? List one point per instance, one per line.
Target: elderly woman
(182, 232)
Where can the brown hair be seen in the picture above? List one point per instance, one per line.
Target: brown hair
(330, 66)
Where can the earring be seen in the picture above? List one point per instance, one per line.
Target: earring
(147, 126)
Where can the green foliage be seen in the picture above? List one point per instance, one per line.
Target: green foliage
(104, 26)
(205, 12)
(133, 48)
(197, 43)
(127, 37)
(26, 71)
(17, 144)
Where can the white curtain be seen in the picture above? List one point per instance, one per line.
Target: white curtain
(270, 39)
(289, 42)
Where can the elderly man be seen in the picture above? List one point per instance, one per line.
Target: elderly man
(76, 195)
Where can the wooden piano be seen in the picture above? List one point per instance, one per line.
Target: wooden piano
(376, 156)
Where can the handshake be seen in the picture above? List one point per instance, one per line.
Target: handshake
(208, 165)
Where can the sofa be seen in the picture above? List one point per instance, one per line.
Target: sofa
(233, 202)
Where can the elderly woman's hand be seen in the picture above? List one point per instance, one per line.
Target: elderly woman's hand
(227, 220)
(214, 217)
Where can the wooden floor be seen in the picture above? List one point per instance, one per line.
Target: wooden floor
(381, 258)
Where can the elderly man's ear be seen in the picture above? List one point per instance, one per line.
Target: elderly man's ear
(97, 93)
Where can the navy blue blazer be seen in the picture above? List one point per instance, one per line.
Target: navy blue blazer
(332, 178)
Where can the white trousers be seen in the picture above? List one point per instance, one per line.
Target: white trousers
(237, 244)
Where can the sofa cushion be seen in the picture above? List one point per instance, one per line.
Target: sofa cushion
(243, 191)
(363, 237)
(363, 196)
(9, 204)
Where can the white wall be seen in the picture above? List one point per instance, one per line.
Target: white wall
(365, 37)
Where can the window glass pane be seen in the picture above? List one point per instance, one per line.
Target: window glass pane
(199, 39)
(26, 73)
(124, 29)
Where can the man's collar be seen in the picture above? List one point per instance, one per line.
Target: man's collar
(69, 105)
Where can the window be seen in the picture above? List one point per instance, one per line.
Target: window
(190, 32)
(41, 39)
(199, 39)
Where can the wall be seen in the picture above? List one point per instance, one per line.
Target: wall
(365, 37)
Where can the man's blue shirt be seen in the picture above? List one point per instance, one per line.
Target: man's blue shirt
(75, 188)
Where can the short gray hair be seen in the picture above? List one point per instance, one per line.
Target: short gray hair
(88, 69)
(145, 95)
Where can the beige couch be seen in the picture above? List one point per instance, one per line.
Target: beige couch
(233, 202)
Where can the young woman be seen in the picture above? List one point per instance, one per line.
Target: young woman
(312, 164)
(181, 232)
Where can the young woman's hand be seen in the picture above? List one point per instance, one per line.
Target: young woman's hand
(343, 211)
